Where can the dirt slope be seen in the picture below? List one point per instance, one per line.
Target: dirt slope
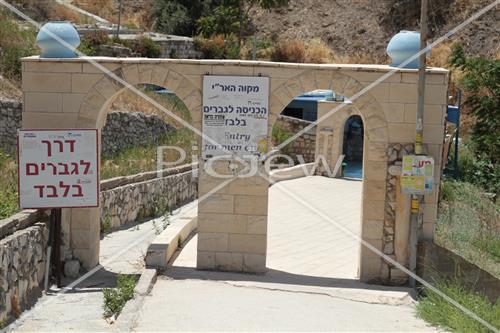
(366, 26)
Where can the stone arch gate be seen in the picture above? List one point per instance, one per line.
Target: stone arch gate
(232, 223)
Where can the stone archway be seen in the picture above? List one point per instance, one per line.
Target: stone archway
(94, 106)
(72, 93)
(375, 146)
(92, 114)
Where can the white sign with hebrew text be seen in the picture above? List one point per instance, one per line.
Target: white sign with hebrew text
(58, 168)
(235, 115)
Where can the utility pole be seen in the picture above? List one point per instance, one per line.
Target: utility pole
(415, 199)
(119, 19)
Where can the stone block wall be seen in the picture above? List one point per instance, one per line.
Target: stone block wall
(22, 261)
(146, 198)
(232, 220)
(305, 144)
(182, 48)
(10, 122)
(130, 129)
(123, 129)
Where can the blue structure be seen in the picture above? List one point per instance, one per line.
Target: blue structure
(402, 47)
(58, 39)
(306, 106)
(453, 116)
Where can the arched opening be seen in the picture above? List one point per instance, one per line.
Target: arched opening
(352, 148)
(299, 241)
(135, 140)
(134, 129)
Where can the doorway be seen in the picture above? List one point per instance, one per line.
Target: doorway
(352, 147)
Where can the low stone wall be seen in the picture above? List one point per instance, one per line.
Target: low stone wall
(10, 122)
(23, 243)
(123, 129)
(130, 129)
(436, 262)
(305, 144)
(180, 48)
(128, 202)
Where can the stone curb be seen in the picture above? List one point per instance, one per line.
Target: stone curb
(131, 310)
(165, 244)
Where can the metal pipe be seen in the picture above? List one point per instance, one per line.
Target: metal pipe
(49, 249)
(119, 19)
(413, 242)
(421, 79)
(457, 134)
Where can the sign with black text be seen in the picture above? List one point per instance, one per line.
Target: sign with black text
(58, 168)
(235, 115)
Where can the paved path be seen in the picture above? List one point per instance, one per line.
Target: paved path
(81, 308)
(301, 242)
(310, 284)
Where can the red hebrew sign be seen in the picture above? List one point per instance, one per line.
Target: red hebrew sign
(58, 168)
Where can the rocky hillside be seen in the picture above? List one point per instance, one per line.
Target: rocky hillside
(366, 26)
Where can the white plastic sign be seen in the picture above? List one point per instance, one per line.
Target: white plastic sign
(235, 115)
(58, 168)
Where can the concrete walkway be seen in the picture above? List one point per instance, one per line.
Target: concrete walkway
(310, 284)
(81, 309)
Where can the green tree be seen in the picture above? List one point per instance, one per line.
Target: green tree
(179, 17)
(480, 81)
(232, 16)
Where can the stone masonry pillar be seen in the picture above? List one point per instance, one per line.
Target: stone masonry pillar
(232, 222)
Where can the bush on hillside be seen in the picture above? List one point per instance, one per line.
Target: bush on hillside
(145, 47)
(15, 43)
(218, 47)
(289, 51)
(317, 52)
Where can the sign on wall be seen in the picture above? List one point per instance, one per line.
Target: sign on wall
(235, 115)
(58, 168)
(417, 176)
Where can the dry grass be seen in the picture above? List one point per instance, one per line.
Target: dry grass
(134, 14)
(62, 13)
(439, 55)
(289, 51)
(316, 52)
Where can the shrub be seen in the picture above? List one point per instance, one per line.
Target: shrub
(223, 21)
(218, 47)
(115, 299)
(92, 40)
(290, 51)
(146, 47)
(475, 170)
(280, 135)
(479, 82)
(317, 52)
(96, 38)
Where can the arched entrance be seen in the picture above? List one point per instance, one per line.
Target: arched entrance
(84, 93)
(352, 147)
